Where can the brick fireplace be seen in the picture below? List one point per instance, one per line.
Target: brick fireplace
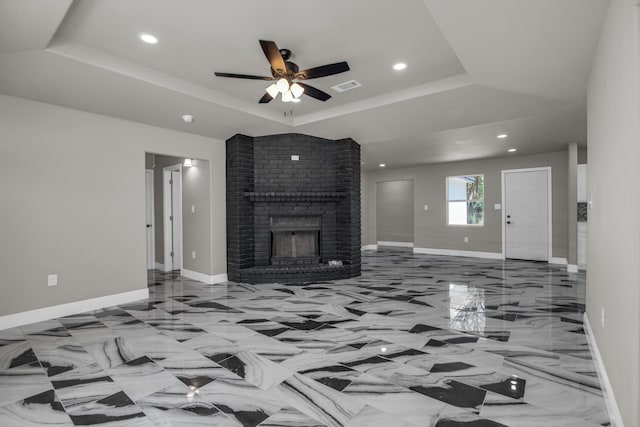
(293, 209)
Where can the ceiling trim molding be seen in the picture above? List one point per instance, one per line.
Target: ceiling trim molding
(431, 88)
(97, 58)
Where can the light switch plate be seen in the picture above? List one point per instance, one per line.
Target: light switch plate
(295, 157)
(426, 207)
(497, 206)
(52, 280)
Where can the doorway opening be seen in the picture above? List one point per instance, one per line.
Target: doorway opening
(394, 213)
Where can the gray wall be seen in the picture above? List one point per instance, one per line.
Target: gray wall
(613, 279)
(582, 156)
(430, 227)
(363, 207)
(196, 226)
(394, 211)
(572, 203)
(72, 200)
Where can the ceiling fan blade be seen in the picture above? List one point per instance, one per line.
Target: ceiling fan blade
(266, 98)
(272, 53)
(243, 76)
(322, 71)
(314, 93)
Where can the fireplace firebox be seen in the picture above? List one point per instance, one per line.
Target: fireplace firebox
(295, 240)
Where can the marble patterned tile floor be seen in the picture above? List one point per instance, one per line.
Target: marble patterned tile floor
(416, 341)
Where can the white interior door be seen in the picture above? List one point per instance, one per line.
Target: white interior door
(176, 214)
(151, 256)
(527, 215)
(172, 217)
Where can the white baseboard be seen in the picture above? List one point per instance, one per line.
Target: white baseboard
(396, 244)
(572, 268)
(370, 248)
(455, 252)
(218, 278)
(609, 398)
(558, 260)
(200, 277)
(159, 266)
(55, 311)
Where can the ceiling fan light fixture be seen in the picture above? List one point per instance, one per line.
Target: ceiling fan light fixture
(287, 96)
(297, 90)
(282, 85)
(273, 90)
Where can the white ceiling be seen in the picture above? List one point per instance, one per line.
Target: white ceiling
(476, 68)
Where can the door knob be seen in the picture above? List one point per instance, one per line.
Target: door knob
(508, 222)
(148, 225)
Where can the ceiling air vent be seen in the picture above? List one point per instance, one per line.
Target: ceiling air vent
(343, 87)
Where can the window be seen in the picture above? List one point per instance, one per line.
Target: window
(465, 197)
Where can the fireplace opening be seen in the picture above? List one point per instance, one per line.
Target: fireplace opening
(295, 240)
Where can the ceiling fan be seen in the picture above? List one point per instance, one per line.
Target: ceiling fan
(287, 76)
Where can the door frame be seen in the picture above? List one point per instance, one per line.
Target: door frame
(166, 209)
(150, 197)
(549, 207)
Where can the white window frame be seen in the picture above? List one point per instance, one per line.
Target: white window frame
(465, 200)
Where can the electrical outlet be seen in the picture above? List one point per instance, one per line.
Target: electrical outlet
(52, 280)
(193, 209)
(295, 157)
(426, 207)
(466, 239)
(193, 254)
(602, 316)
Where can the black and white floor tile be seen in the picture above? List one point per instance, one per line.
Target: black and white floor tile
(416, 341)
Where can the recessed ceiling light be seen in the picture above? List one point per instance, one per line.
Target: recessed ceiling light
(399, 66)
(148, 38)
(512, 150)
(188, 118)
(382, 165)
(502, 136)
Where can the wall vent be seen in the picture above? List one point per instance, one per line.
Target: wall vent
(343, 87)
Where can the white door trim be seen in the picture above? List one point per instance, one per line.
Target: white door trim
(166, 209)
(549, 207)
(149, 196)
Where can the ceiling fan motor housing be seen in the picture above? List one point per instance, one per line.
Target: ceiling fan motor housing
(286, 54)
